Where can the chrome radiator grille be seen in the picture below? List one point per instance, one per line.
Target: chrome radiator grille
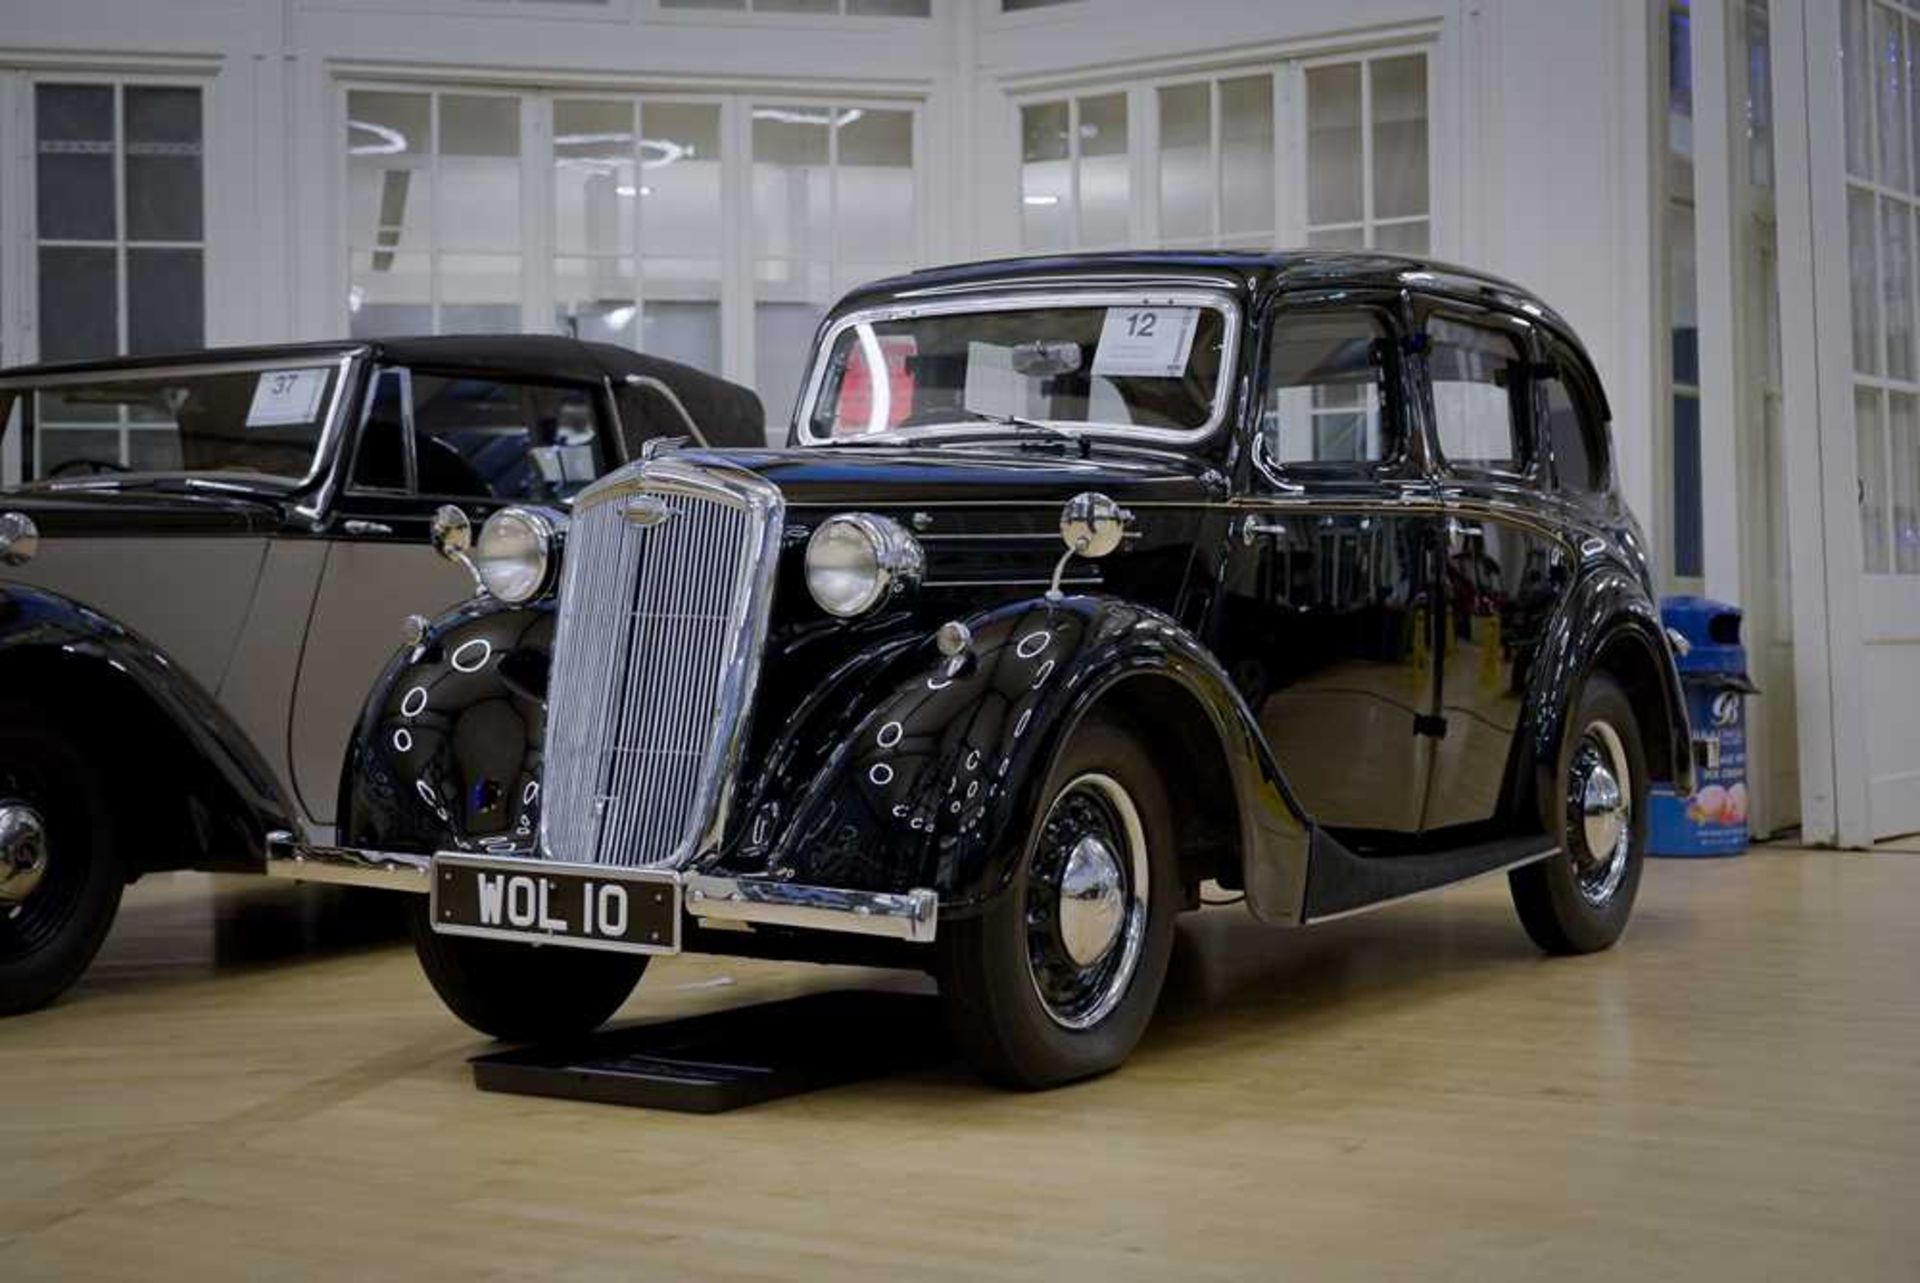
(663, 605)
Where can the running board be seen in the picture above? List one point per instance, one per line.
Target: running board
(1340, 883)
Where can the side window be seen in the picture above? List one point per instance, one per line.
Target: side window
(1479, 396)
(1327, 400)
(1575, 438)
(478, 438)
(379, 461)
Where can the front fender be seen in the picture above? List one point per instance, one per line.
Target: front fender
(60, 652)
(933, 780)
(447, 752)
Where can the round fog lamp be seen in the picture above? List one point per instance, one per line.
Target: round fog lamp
(856, 560)
(514, 554)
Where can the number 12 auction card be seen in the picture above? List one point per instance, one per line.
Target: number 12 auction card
(1146, 342)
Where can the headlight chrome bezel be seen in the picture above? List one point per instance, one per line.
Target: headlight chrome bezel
(536, 577)
(898, 561)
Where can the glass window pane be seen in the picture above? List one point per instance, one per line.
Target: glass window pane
(875, 204)
(796, 6)
(1402, 238)
(1186, 162)
(1326, 386)
(479, 294)
(596, 299)
(389, 151)
(1870, 434)
(688, 332)
(479, 177)
(782, 342)
(1903, 430)
(1759, 93)
(1399, 137)
(1246, 154)
(74, 129)
(1333, 144)
(1475, 374)
(1682, 307)
(1897, 286)
(1104, 214)
(149, 450)
(1354, 237)
(166, 300)
(594, 190)
(79, 304)
(1044, 188)
(1856, 74)
(1689, 528)
(1863, 266)
(389, 294)
(163, 164)
(1890, 95)
(890, 8)
(791, 182)
(1576, 463)
(680, 178)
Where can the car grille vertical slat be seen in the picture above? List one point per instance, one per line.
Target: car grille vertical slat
(654, 657)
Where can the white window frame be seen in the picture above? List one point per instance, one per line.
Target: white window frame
(1289, 136)
(538, 249)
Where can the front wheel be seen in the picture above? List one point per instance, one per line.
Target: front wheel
(61, 874)
(1579, 900)
(1057, 978)
(520, 992)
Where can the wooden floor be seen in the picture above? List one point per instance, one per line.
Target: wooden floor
(256, 1083)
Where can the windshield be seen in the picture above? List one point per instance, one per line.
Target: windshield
(1139, 366)
(264, 420)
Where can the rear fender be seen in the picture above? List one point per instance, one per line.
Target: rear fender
(167, 737)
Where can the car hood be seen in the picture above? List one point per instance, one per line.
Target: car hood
(860, 476)
(135, 511)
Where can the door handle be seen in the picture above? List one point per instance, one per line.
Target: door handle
(359, 527)
(1458, 532)
(1251, 528)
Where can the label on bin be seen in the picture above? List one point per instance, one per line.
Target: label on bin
(1713, 819)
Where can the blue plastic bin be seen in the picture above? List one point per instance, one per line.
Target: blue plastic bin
(1712, 820)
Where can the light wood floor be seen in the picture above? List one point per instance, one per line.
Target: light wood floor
(255, 1083)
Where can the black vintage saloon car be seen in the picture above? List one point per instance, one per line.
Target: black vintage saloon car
(206, 559)
(1348, 608)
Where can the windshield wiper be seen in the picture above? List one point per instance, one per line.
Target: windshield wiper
(1019, 424)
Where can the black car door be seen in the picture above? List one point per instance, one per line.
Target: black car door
(1507, 559)
(1326, 619)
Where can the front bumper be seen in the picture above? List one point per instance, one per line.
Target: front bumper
(911, 916)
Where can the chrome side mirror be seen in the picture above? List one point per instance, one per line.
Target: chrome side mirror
(1092, 526)
(453, 539)
(19, 538)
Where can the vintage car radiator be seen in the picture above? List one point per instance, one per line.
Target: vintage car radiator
(663, 612)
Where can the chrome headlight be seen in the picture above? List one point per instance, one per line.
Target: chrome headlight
(515, 553)
(856, 560)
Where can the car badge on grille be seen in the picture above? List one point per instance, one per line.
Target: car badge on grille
(647, 510)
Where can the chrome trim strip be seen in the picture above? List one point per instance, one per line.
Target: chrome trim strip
(912, 916)
(1225, 389)
(1520, 863)
(345, 866)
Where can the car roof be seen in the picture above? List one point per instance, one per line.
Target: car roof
(1241, 270)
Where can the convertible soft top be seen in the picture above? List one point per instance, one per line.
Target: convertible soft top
(646, 387)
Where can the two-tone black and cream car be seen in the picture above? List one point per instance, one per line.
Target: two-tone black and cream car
(1083, 582)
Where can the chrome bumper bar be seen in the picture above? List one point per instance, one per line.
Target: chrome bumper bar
(912, 916)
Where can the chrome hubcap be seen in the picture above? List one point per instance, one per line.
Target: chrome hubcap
(1600, 797)
(23, 851)
(1091, 907)
(1086, 901)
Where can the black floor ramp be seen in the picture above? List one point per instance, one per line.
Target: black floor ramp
(722, 1060)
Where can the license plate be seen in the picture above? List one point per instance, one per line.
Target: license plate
(538, 902)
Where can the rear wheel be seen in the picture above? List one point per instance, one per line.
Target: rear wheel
(60, 869)
(1579, 900)
(1057, 978)
(523, 993)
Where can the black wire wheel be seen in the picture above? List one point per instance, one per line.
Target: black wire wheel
(1579, 900)
(60, 871)
(1057, 977)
